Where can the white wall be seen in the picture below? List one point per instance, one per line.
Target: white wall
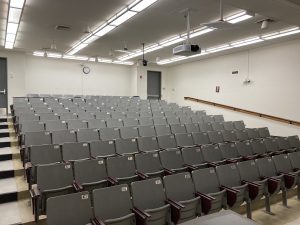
(30, 74)
(275, 74)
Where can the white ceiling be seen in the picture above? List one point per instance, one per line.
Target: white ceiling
(160, 21)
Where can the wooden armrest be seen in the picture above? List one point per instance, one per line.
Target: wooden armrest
(206, 202)
(97, 221)
(205, 196)
(34, 192)
(168, 172)
(112, 181)
(142, 175)
(213, 164)
(77, 187)
(231, 195)
(191, 167)
(141, 213)
(253, 189)
(175, 204)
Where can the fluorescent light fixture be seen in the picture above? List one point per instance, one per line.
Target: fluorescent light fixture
(90, 39)
(10, 38)
(9, 45)
(38, 53)
(238, 17)
(152, 48)
(12, 28)
(143, 5)
(219, 48)
(82, 58)
(81, 46)
(54, 55)
(14, 15)
(171, 41)
(134, 3)
(69, 57)
(104, 60)
(201, 31)
(17, 3)
(248, 41)
(282, 33)
(92, 59)
(126, 16)
(122, 63)
(105, 30)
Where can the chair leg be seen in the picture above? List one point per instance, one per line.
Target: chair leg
(284, 198)
(249, 210)
(298, 191)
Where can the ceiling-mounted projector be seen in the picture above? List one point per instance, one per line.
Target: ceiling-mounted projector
(186, 50)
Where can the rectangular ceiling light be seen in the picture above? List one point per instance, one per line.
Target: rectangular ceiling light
(282, 33)
(10, 38)
(105, 30)
(201, 31)
(126, 16)
(104, 60)
(143, 5)
(9, 45)
(238, 17)
(12, 28)
(54, 55)
(38, 53)
(219, 48)
(14, 15)
(17, 3)
(245, 42)
(90, 39)
(171, 41)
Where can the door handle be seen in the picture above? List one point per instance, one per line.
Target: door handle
(3, 92)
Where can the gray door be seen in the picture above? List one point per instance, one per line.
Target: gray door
(154, 84)
(3, 83)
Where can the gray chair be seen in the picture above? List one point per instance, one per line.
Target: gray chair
(162, 130)
(218, 118)
(201, 138)
(114, 122)
(173, 120)
(134, 114)
(180, 191)
(146, 121)
(146, 113)
(239, 125)
(148, 196)
(76, 124)
(228, 125)
(249, 174)
(185, 119)
(75, 151)
(237, 192)
(264, 132)
(121, 169)
(217, 126)
(212, 155)
(68, 116)
(178, 129)
(55, 125)
(172, 161)
(129, 132)
(100, 149)
(87, 135)
(96, 123)
(259, 147)
(184, 140)
(213, 199)
(267, 170)
(272, 146)
(85, 115)
(229, 151)
(52, 180)
(148, 165)
(284, 144)
(31, 126)
(130, 122)
(193, 158)
(245, 149)
(166, 142)
(148, 144)
(192, 128)
(72, 209)
(126, 146)
(205, 127)
(196, 119)
(90, 174)
(253, 133)
(283, 166)
(229, 135)
(63, 136)
(242, 135)
(109, 133)
(295, 160)
(215, 137)
(112, 205)
(102, 115)
(294, 142)
(159, 121)
(39, 155)
(48, 116)
(147, 131)
(37, 138)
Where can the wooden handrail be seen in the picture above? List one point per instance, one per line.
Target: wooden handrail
(262, 115)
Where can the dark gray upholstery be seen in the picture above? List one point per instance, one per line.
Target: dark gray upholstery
(172, 160)
(87, 135)
(162, 130)
(201, 138)
(109, 133)
(114, 122)
(55, 125)
(166, 142)
(148, 144)
(126, 146)
(149, 164)
(63, 136)
(102, 148)
(147, 131)
(75, 151)
(96, 123)
(215, 137)
(129, 132)
(178, 128)
(193, 156)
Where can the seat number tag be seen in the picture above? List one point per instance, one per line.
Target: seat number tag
(72, 132)
(56, 146)
(132, 140)
(110, 142)
(130, 158)
(100, 162)
(198, 150)
(84, 144)
(252, 164)
(67, 167)
(124, 189)
(85, 197)
(177, 152)
(153, 138)
(233, 167)
(155, 155)
(158, 182)
(172, 137)
(212, 171)
(187, 176)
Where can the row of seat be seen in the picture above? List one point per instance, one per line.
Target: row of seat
(150, 163)
(204, 191)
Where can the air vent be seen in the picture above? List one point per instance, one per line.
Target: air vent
(62, 27)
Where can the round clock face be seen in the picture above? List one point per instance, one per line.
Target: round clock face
(86, 70)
